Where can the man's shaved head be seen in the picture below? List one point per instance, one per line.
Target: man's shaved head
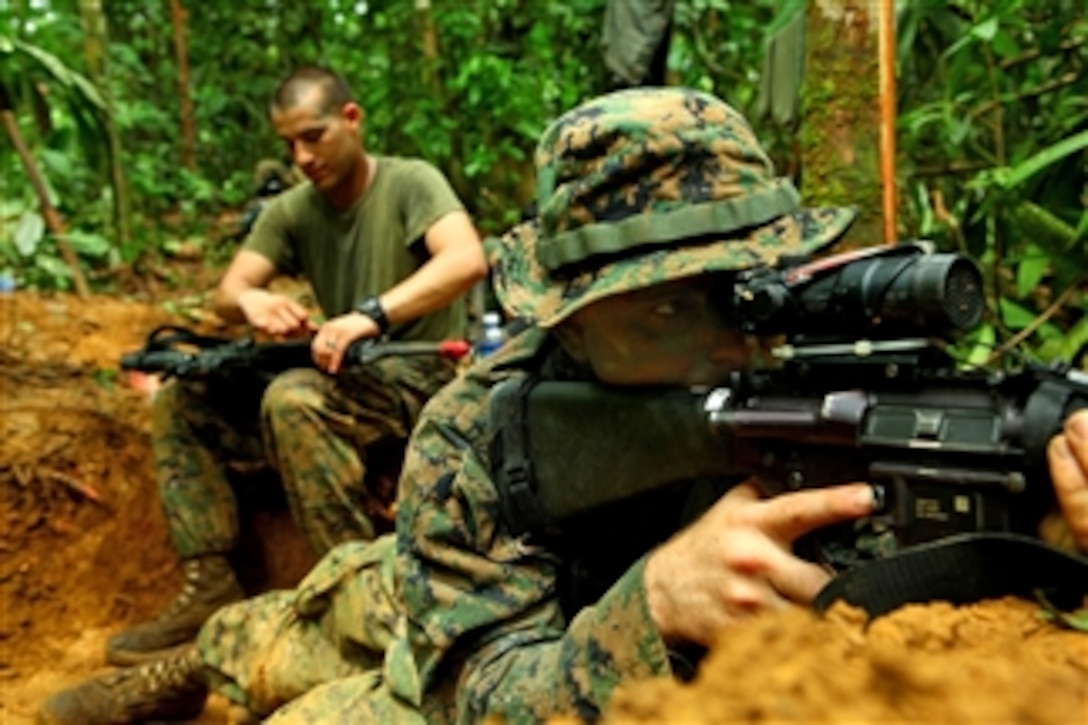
(334, 90)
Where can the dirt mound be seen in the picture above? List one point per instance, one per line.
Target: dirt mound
(995, 661)
(83, 544)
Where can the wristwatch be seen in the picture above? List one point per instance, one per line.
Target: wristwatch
(372, 307)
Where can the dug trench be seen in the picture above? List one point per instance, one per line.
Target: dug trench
(84, 552)
(83, 543)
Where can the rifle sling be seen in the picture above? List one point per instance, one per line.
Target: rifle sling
(521, 506)
(962, 569)
(165, 337)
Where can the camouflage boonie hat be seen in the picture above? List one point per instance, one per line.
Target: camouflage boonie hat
(645, 186)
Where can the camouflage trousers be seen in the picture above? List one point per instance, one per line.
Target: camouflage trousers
(636, 41)
(315, 653)
(318, 431)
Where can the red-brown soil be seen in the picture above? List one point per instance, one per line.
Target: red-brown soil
(83, 552)
(83, 545)
(990, 662)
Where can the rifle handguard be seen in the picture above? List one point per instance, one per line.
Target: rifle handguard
(178, 351)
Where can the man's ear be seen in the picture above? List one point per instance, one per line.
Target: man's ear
(353, 113)
(570, 336)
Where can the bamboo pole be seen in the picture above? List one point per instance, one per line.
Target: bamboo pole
(886, 45)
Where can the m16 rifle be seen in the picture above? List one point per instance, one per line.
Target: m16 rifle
(176, 351)
(865, 389)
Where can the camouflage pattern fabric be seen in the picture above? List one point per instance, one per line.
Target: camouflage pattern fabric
(477, 628)
(317, 431)
(266, 651)
(486, 632)
(646, 186)
(636, 40)
(479, 631)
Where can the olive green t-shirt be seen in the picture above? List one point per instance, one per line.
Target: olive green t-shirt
(378, 242)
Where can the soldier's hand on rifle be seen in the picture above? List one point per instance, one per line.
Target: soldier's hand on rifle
(1068, 454)
(274, 313)
(737, 559)
(335, 336)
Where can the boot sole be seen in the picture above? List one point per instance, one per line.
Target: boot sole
(126, 658)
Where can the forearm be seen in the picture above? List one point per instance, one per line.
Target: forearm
(526, 676)
(249, 272)
(440, 281)
(226, 303)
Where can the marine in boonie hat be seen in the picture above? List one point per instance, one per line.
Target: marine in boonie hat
(645, 186)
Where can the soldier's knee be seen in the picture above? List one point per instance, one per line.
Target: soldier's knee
(174, 394)
(177, 400)
(292, 392)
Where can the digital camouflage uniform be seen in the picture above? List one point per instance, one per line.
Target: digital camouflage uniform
(314, 429)
(455, 618)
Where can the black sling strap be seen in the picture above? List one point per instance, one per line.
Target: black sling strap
(962, 569)
(510, 448)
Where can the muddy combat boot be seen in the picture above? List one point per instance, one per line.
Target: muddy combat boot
(173, 688)
(209, 584)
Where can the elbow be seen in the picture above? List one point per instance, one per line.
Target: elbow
(479, 271)
(476, 266)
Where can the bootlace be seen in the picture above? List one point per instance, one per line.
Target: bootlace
(172, 673)
(187, 593)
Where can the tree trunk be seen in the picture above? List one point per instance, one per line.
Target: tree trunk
(181, 56)
(49, 213)
(96, 44)
(840, 130)
(429, 43)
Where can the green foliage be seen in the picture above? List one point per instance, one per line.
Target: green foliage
(718, 46)
(63, 113)
(993, 132)
(993, 129)
(502, 70)
(1076, 620)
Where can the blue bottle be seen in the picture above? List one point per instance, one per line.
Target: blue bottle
(492, 337)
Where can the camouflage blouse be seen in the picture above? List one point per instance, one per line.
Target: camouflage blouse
(485, 634)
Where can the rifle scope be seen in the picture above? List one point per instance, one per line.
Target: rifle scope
(881, 292)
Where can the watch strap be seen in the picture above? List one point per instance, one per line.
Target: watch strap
(372, 307)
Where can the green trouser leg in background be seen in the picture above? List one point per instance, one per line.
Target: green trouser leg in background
(197, 429)
(316, 431)
(636, 41)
